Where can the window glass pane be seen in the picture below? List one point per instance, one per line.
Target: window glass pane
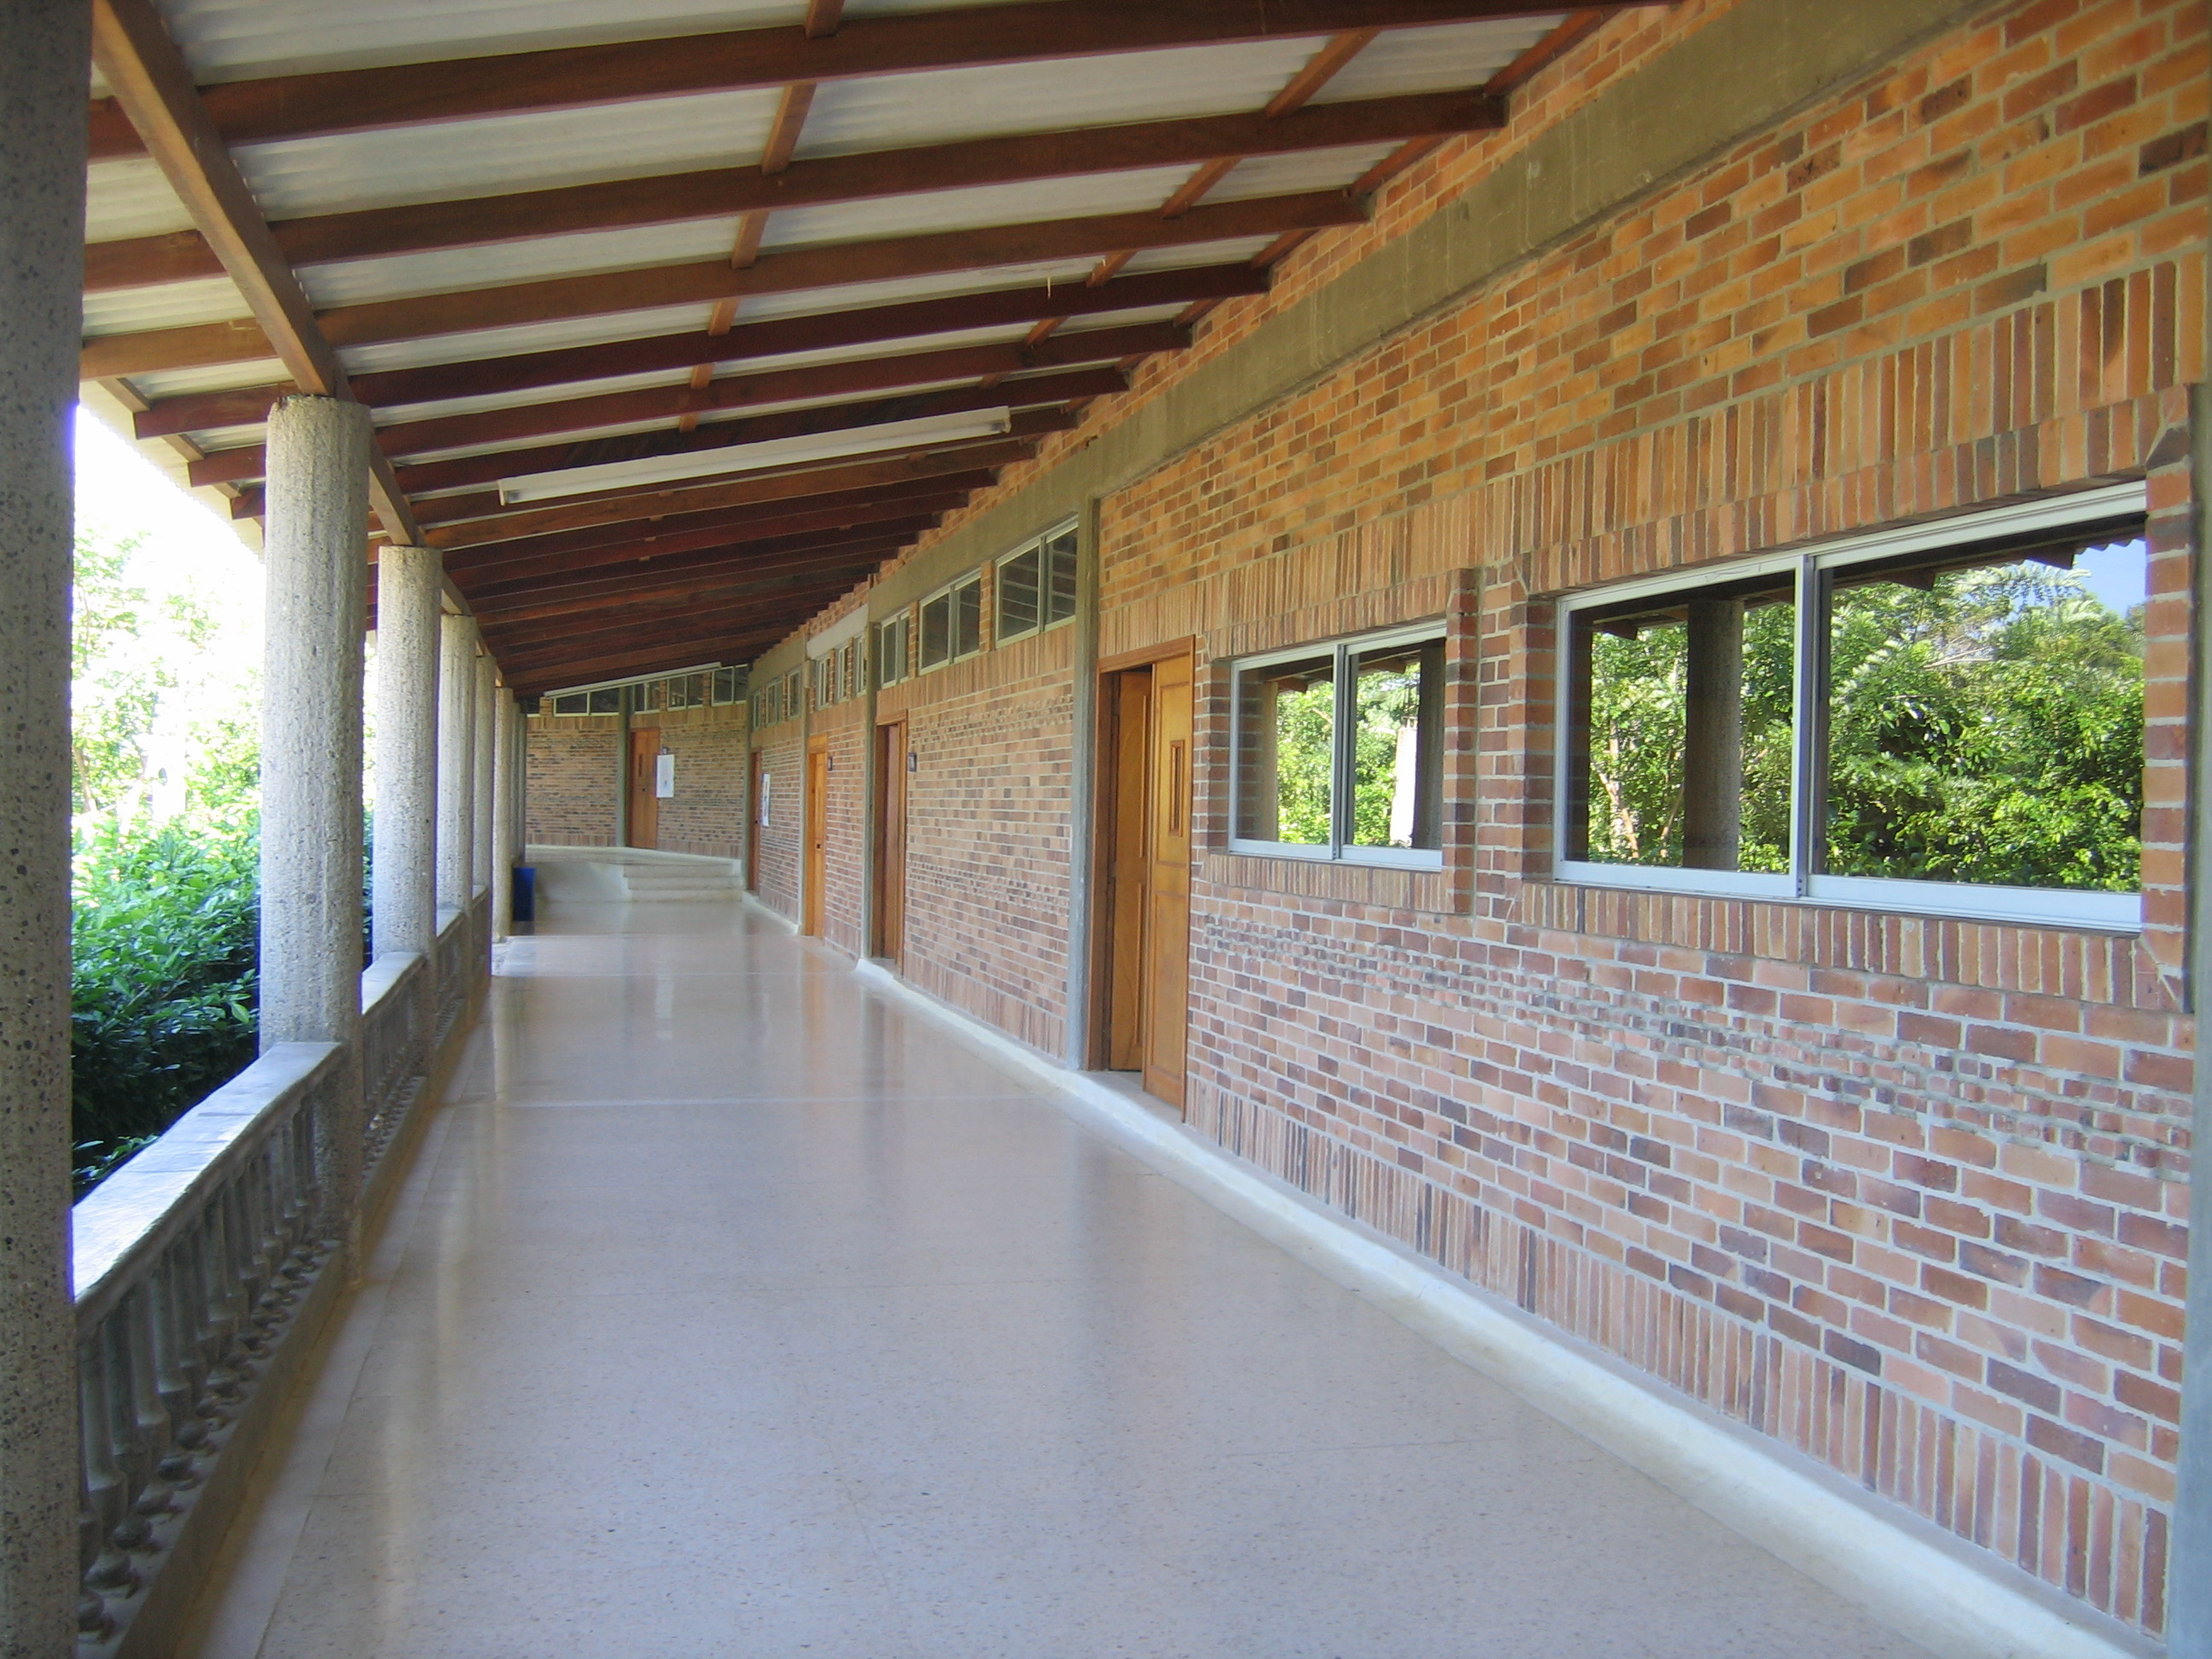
(936, 631)
(1986, 717)
(1285, 751)
(726, 685)
(1059, 577)
(576, 703)
(1683, 722)
(1397, 761)
(794, 695)
(968, 618)
(1018, 609)
(607, 702)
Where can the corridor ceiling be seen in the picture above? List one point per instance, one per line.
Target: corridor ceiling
(540, 235)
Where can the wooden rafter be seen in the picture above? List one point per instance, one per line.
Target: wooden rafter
(820, 382)
(794, 270)
(699, 498)
(779, 337)
(777, 182)
(408, 95)
(154, 87)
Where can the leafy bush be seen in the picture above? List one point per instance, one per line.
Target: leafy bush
(166, 931)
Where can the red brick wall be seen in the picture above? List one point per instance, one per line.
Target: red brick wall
(775, 844)
(987, 891)
(575, 770)
(1905, 1193)
(842, 729)
(707, 813)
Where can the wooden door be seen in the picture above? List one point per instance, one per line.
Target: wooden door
(644, 778)
(890, 840)
(1127, 863)
(817, 837)
(753, 821)
(1167, 913)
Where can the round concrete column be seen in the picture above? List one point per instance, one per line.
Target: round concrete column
(457, 732)
(505, 798)
(316, 561)
(405, 912)
(45, 45)
(487, 745)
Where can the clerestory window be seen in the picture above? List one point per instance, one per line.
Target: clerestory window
(1339, 751)
(1036, 586)
(1948, 717)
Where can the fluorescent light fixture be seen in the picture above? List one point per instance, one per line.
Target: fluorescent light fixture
(752, 458)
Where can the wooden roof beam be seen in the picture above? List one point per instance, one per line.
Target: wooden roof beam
(854, 378)
(830, 265)
(700, 498)
(154, 89)
(778, 183)
(646, 538)
(778, 337)
(411, 95)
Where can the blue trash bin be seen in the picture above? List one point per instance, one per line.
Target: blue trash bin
(526, 892)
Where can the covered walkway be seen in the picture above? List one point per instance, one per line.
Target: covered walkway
(731, 1308)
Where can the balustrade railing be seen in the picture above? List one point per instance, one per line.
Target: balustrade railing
(195, 1263)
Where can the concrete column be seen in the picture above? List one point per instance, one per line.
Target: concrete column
(408, 645)
(487, 765)
(1083, 795)
(2189, 1563)
(456, 733)
(316, 560)
(1712, 739)
(45, 45)
(502, 815)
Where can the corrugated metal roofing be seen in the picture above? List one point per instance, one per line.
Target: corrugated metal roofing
(492, 157)
(232, 39)
(1438, 59)
(297, 177)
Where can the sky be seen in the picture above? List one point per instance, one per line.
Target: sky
(120, 493)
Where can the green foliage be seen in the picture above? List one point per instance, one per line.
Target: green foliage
(1305, 727)
(165, 932)
(1988, 728)
(1389, 700)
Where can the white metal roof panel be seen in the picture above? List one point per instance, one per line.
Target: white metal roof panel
(128, 198)
(1286, 175)
(1202, 253)
(297, 177)
(1437, 58)
(448, 271)
(177, 305)
(937, 106)
(922, 213)
(523, 337)
(220, 377)
(238, 40)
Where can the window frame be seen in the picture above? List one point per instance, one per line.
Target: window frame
(1809, 566)
(1337, 849)
(1041, 546)
(903, 624)
(951, 594)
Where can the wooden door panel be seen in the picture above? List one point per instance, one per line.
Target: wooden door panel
(644, 802)
(817, 837)
(1167, 920)
(1128, 871)
(890, 841)
(753, 822)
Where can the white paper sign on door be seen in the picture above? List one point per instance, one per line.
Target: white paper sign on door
(663, 775)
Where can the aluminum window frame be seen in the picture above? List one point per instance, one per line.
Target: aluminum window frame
(900, 626)
(1042, 546)
(1339, 849)
(949, 594)
(2040, 907)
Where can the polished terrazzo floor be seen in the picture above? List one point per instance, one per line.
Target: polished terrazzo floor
(729, 1309)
